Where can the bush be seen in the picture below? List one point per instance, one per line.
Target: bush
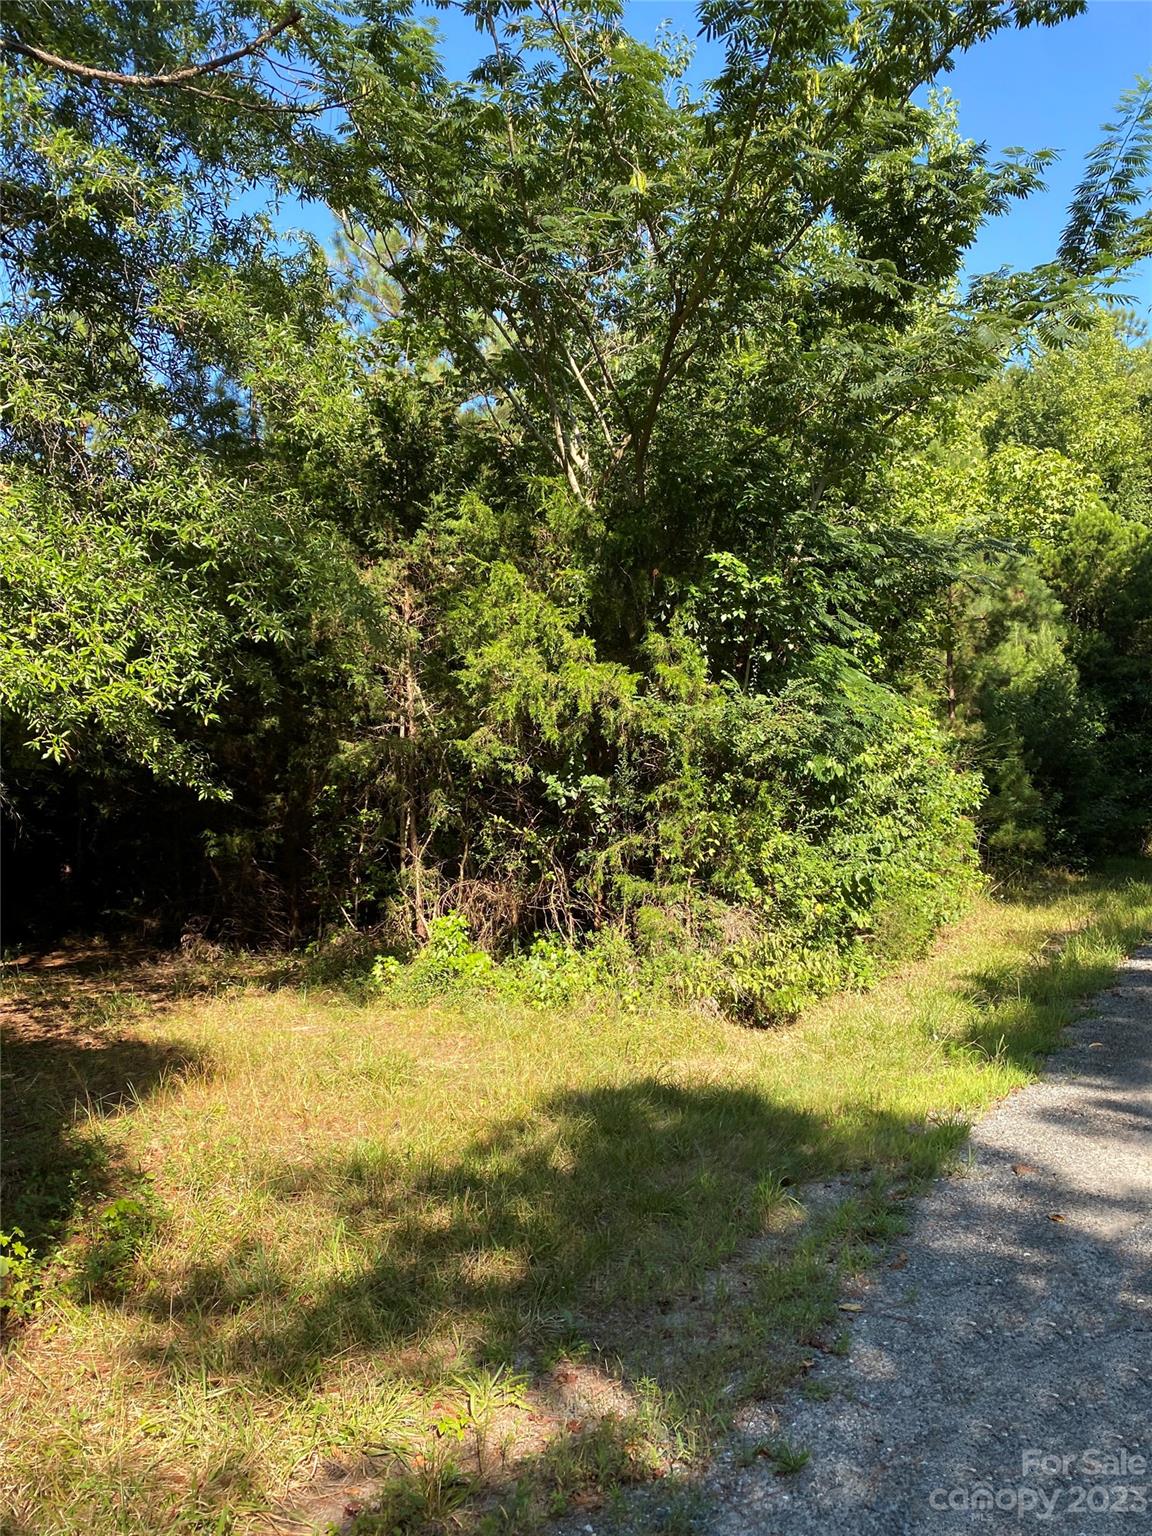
(447, 962)
(114, 1241)
(772, 850)
(812, 837)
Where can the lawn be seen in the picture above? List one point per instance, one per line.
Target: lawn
(495, 1261)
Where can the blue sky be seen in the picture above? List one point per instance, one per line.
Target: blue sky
(1049, 88)
(1042, 88)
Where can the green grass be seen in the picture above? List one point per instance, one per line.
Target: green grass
(506, 1260)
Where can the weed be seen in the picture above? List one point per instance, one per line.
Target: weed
(108, 1251)
(786, 1457)
(774, 1199)
(21, 1278)
(817, 1391)
(447, 960)
(596, 1461)
(488, 1391)
(426, 1496)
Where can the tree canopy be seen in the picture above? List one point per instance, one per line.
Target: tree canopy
(635, 522)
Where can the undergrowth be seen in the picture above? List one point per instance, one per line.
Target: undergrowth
(750, 977)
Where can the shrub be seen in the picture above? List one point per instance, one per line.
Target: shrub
(751, 851)
(447, 961)
(21, 1278)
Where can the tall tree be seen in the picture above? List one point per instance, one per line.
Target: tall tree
(585, 230)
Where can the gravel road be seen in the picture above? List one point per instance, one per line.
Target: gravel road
(1009, 1361)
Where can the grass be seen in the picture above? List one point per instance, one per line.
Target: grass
(484, 1264)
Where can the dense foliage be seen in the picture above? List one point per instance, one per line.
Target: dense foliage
(627, 527)
(1044, 647)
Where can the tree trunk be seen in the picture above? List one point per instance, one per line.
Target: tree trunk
(411, 848)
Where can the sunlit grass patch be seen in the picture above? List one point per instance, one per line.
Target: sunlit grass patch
(495, 1260)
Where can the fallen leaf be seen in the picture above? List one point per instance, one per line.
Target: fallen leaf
(1022, 1168)
(573, 1425)
(1056, 1216)
(851, 1306)
(899, 1261)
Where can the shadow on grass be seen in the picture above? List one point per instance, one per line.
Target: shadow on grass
(620, 1227)
(65, 1055)
(52, 1079)
(1022, 1008)
(605, 1225)
(601, 1222)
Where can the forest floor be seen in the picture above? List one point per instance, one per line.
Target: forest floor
(486, 1264)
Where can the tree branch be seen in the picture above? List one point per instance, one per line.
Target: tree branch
(150, 82)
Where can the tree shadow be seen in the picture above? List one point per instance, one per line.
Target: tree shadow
(1015, 1322)
(87, 982)
(600, 1221)
(620, 1239)
(1023, 1009)
(54, 1075)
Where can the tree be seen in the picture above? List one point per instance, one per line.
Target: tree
(1043, 643)
(583, 233)
(526, 556)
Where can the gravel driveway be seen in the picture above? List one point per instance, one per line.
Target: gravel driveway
(1009, 1362)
